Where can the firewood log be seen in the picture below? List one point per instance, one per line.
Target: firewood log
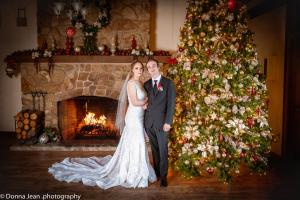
(26, 127)
(20, 124)
(32, 124)
(26, 121)
(33, 116)
(24, 133)
(18, 130)
(26, 114)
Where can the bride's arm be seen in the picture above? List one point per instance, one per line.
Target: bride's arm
(133, 97)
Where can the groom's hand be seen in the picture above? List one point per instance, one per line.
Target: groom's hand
(167, 127)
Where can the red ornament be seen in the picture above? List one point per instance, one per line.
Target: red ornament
(210, 170)
(133, 43)
(221, 138)
(253, 92)
(181, 49)
(250, 122)
(194, 79)
(231, 5)
(70, 31)
(258, 111)
(208, 52)
(242, 154)
(255, 157)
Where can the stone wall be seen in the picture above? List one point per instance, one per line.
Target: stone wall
(128, 18)
(71, 80)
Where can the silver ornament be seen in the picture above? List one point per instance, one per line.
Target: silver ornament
(44, 138)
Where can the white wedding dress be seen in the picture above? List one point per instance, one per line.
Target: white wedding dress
(128, 167)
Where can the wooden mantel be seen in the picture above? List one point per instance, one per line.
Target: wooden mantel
(89, 59)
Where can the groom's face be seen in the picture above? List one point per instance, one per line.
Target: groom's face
(153, 69)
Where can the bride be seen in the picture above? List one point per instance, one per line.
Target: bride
(129, 166)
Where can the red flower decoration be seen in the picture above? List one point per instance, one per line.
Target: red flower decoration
(172, 61)
(159, 87)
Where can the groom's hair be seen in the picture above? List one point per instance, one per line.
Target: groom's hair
(152, 60)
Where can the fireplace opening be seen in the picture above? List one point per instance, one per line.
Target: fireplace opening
(88, 117)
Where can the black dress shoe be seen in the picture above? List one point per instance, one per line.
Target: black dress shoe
(163, 183)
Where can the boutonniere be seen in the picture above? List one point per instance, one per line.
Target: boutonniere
(160, 87)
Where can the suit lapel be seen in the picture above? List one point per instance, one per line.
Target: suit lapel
(150, 88)
(161, 83)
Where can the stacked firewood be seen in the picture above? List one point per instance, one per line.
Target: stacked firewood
(29, 124)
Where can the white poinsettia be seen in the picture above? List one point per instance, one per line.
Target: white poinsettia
(201, 147)
(242, 110)
(210, 148)
(265, 133)
(235, 109)
(205, 17)
(237, 124)
(213, 116)
(47, 53)
(224, 62)
(227, 87)
(35, 54)
(205, 73)
(78, 25)
(262, 121)
(230, 17)
(197, 108)
(242, 145)
(210, 99)
(254, 62)
(187, 65)
(245, 98)
(191, 132)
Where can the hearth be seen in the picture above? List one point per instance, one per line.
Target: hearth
(87, 117)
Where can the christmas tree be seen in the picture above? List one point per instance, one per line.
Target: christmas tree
(221, 119)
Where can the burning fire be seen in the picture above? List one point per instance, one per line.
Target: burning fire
(90, 119)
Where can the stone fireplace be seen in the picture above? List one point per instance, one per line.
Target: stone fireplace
(75, 87)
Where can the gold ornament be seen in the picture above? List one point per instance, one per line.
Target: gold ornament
(202, 34)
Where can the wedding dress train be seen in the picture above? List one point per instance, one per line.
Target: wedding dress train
(128, 167)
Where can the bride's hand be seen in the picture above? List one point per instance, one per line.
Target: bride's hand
(145, 106)
(146, 100)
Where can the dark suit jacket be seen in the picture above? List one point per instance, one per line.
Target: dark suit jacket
(161, 106)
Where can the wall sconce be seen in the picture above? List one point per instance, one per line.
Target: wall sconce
(21, 18)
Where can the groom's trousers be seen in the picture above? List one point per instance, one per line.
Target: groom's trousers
(159, 145)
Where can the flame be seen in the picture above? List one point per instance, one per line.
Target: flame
(90, 119)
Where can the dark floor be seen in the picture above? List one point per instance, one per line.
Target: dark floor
(26, 173)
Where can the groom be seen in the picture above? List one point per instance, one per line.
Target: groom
(158, 117)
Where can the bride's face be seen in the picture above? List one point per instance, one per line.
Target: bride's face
(137, 70)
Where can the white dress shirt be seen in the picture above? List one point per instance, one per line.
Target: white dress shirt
(158, 80)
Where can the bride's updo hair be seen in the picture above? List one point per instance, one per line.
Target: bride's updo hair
(132, 66)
